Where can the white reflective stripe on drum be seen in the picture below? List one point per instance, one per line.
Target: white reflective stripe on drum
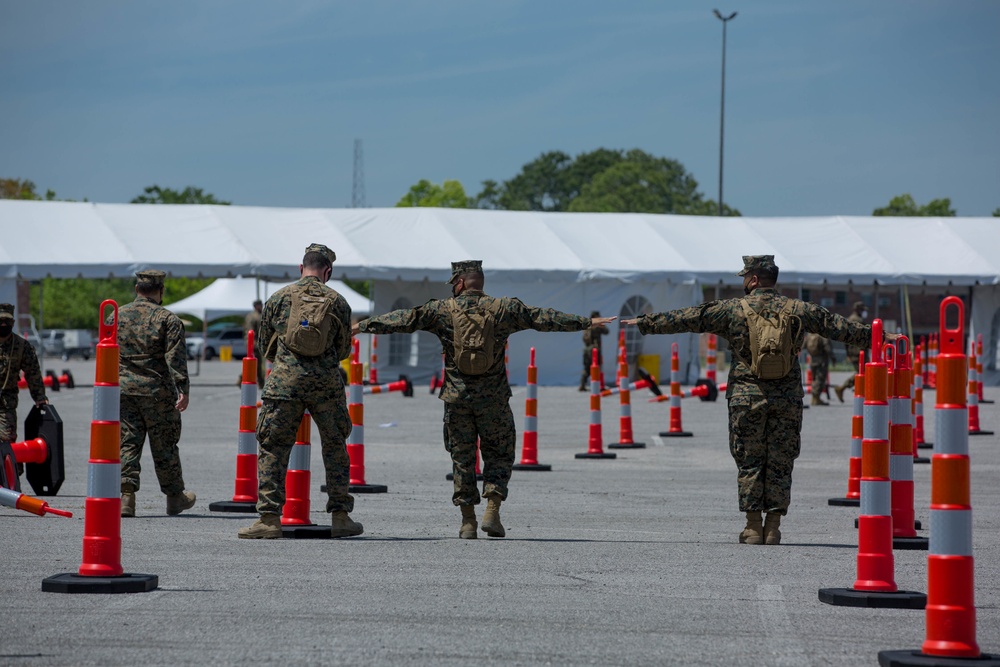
(859, 405)
(532, 391)
(919, 409)
(951, 431)
(357, 436)
(855, 448)
(675, 377)
(876, 498)
(531, 424)
(626, 410)
(876, 422)
(299, 458)
(104, 480)
(246, 443)
(675, 401)
(973, 399)
(595, 416)
(899, 410)
(623, 384)
(595, 386)
(355, 393)
(248, 394)
(901, 467)
(9, 497)
(107, 402)
(918, 381)
(951, 533)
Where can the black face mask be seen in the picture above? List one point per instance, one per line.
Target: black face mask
(6, 329)
(747, 290)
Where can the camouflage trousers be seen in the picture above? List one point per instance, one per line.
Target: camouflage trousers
(493, 426)
(588, 359)
(821, 375)
(764, 440)
(277, 424)
(849, 382)
(8, 425)
(159, 418)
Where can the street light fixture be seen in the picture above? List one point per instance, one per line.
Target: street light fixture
(722, 109)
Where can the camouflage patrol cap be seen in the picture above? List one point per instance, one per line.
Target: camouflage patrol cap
(859, 305)
(149, 278)
(330, 255)
(755, 263)
(6, 311)
(466, 266)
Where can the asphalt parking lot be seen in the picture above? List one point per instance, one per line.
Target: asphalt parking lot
(631, 561)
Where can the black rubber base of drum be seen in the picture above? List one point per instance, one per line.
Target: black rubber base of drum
(126, 583)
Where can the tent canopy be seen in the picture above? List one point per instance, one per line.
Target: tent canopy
(235, 296)
(69, 239)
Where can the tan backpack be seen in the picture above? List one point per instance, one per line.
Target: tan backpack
(310, 319)
(771, 341)
(473, 336)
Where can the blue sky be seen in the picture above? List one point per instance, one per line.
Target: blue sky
(831, 107)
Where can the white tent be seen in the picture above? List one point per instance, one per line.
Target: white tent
(615, 263)
(235, 296)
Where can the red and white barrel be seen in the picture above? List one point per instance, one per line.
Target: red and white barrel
(625, 440)
(373, 362)
(932, 362)
(675, 430)
(20, 501)
(398, 385)
(950, 612)
(857, 432)
(901, 440)
(711, 356)
(298, 478)
(595, 447)
(973, 394)
(246, 443)
(356, 408)
(979, 368)
(918, 400)
(529, 444)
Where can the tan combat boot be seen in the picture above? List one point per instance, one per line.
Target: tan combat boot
(180, 502)
(267, 527)
(469, 525)
(840, 393)
(128, 500)
(343, 526)
(818, 401)
(771, 533)
(491, 519)
(754, 532)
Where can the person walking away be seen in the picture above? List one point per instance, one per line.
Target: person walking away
(305, 331)
(858, 315)
(765, 332)
(252, 323)
(473, 329)
(16, 356)
(591, 340)
(155, 388)
(820, 355)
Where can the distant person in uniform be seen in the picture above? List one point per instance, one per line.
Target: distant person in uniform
(591, 341)
(820, 355)
(252, 323)
(16, 355)
(765, 413)
(473, 328)
(858, 315)
(154, 384)
(305, 331)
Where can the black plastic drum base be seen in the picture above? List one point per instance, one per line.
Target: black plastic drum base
(910, 543)
(369, 488)
(541, 467)
(126, 583)
(602, 455)
(921, 459)
(980, 432)
(919, 659)
(848, 597)
(925, 445)
(312, 532)
(627, 445)
(675, 434)
(844, 502)
(985, 400)
(916, 526)
(232, 506)
(451, 477)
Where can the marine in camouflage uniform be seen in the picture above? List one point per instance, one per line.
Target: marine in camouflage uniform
(154, 383)
(16, 355)
(853, 353)
(765, 416)
(298, 383)
(476, 406)
(252, 323)
(820, 356)
(591, 341)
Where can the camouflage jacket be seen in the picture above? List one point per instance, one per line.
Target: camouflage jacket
(17, 355)
(251, 323)
(819, 349)
(853, 351)
(512, 316)
(592, 336)
(294, 376)
(725, 318)
(152, 351)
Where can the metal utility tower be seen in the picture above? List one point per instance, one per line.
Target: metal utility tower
(358, 191)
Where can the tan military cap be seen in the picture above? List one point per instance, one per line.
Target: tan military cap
(330, 255)
(465, 266)
(859, 305)
(150, 278)
(755, 263)
(6, 311)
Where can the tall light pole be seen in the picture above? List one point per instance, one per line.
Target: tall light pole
(722, 108)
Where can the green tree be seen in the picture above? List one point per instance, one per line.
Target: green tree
(601, 180)
(996, 213)
(154, 194)
(17, 188)
(905, 206)
(449, 194)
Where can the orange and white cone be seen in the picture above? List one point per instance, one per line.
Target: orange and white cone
(979, 369)
(245, 496)
(595, 448)
(295, 520)
(625, 440)
(675, 430)
(356, 440)
(901, 449)
(373, 362)
(529, 447)
(853, 497)
(973, 397)
(26, 503)
(711, 356)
